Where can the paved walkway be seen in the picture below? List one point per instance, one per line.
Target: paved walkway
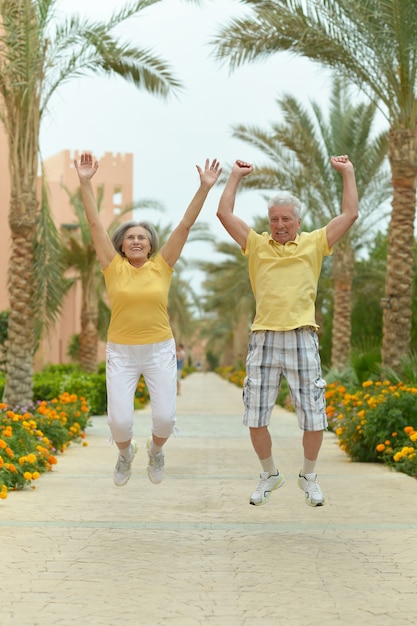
(192, 551)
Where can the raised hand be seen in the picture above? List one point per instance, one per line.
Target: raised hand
(87, 167)
(341, 163)
(211, 173)
(242, 168)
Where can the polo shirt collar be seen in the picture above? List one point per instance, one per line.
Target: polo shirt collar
(296, 241)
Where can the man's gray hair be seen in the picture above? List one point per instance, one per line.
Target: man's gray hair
(285, 198)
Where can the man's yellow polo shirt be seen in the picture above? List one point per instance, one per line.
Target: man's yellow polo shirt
(138, 301)
(284, 278)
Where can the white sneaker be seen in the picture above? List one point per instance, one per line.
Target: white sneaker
(155, 464)
(267, 484)
(313, 493)
(122, 471)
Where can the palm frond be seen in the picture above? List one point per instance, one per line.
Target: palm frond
(371, 43)
(50, 285)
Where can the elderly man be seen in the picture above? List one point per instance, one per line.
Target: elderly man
(284, 269)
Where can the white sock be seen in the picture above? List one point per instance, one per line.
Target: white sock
(127, 452)
(268, 465)
(154, 448)
(308, 467)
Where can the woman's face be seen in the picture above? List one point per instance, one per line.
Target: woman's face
(136, 245)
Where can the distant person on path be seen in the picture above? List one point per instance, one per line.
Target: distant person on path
(284, 269)
(140, 339)
(180, 365)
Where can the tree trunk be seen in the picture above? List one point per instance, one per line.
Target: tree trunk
(20, 340)
(402, 153)
(22, 131)
(343, 268)
(89, 325)
(240, 340)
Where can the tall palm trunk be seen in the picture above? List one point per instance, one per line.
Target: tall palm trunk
(23, 217)
(89, 323)
(343, 269)
(240, 339)
(402, 153)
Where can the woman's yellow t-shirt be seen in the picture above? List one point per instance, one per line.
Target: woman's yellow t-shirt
(138, 301)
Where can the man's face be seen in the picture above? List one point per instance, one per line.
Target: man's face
(283, 223)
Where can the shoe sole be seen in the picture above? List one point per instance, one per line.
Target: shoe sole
(151, 478)
(265, 500)
(299, 483)
(135, 448)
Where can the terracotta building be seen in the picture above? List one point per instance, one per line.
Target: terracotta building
(115, 174)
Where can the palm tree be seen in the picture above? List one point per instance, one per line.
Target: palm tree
(49, 269)
(373, 44)
(180, 304)
(182, 300)
(38, 55)
(229, 302)
(298, 159)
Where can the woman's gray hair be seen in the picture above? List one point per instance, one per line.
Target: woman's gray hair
(285, 198)
(120, 232)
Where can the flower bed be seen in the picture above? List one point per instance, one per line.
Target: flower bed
(376, 423)
(30, 440)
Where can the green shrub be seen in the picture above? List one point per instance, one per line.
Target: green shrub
(55, 379)
(376, 423)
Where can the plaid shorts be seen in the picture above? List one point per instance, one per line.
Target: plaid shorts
(293, 354)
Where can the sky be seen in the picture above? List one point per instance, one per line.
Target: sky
(169, 137)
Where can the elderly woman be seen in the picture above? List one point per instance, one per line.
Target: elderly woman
(140, 340)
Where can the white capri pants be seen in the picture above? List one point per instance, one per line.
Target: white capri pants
(157, 362)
